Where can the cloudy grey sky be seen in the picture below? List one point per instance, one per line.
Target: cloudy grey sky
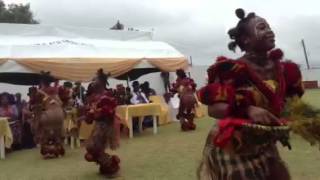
(195, 27)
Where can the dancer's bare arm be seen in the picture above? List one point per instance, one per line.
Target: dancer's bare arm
(257, 114)
(218, 110)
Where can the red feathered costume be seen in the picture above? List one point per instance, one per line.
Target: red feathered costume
(65, 95)
(100, 107)
(48, 119)
(185, 87)
(236, 137)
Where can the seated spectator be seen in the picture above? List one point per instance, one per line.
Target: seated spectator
(78, 91)
(26, 117)
(9, 110)
(129, 95)
(138, 97)
(19, 104)
(27, 134)
(122, 95)
(145, 88)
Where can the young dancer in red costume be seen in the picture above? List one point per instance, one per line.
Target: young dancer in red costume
(247, 95)
(100, 107)
(185, 87)
(46, 106)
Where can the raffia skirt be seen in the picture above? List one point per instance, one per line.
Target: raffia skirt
(219, 164)
(51, 125)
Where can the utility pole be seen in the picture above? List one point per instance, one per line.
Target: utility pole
(305, 53)
(152, 33)
(189, 73)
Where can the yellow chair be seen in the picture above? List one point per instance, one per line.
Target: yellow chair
(164, 117)
(200, 109)
(71, 128)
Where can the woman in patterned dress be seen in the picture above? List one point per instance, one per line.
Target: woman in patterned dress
(9, 110)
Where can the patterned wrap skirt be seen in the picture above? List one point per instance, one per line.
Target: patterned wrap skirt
(218, 164)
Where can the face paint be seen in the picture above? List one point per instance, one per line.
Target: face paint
(262, 36)
(260, 27)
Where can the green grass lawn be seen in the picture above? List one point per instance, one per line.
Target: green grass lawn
(169, 155)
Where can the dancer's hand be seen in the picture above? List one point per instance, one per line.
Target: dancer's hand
(261, 116)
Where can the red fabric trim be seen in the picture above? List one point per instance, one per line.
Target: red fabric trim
(217, 92)
(228, 126)
(293, 79)
(226, 130)
(101, 106)
(276, 98)
(238, 72)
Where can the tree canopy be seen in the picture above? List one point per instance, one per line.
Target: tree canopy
(16, 13)
(117, 26)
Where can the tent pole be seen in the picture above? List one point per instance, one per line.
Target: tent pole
(189, 73)
(128, 85)
(81, 94)
(128, 81)
(305, 53)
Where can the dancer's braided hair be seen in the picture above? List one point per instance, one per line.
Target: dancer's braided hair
(240, 30)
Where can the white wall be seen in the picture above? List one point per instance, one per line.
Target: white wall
(198, 73)
(311, 75)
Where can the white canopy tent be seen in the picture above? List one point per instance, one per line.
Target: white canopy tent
(71, 32)
(76, 53)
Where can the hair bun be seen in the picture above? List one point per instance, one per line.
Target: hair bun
(233, 33)
(232, 46)
(240, 13)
